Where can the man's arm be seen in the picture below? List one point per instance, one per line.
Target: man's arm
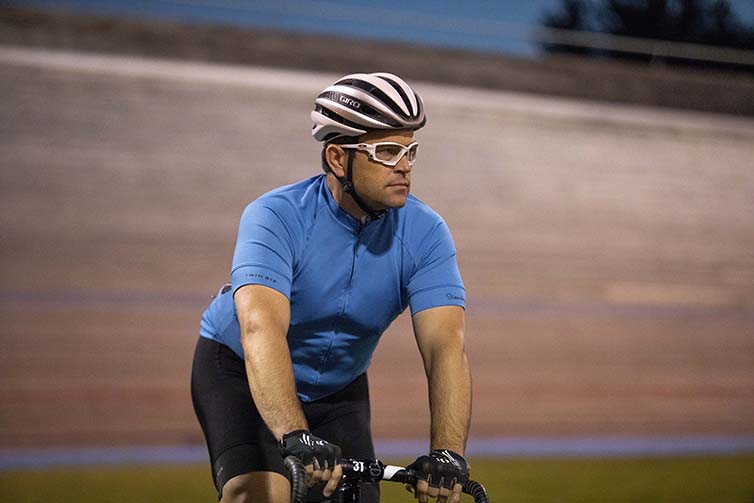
(264, 315)
(440, 336)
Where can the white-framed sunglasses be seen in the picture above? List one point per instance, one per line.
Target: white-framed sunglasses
(387, 152)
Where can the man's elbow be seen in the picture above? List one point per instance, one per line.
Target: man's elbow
(455, 342)
(451, 351)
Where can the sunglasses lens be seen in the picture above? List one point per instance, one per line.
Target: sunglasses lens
(388, 153)
(412, 152)
(393, 153)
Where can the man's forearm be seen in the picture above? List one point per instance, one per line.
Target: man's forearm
(449, 382)
(273, 386)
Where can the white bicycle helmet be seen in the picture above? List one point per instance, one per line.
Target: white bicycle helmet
(363, 102)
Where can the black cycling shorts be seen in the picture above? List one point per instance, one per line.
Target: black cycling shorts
(239, 441)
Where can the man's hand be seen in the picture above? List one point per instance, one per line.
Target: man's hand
(319, 456)
(441, 475)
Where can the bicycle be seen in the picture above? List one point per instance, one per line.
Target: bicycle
(355, 472)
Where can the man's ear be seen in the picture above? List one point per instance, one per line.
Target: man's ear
(336, 158)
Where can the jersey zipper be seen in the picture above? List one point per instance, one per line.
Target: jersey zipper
(357, 234)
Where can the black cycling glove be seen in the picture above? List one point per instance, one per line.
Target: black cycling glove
(309, 449)
(441, 468)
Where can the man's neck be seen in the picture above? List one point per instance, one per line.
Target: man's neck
(344, 200)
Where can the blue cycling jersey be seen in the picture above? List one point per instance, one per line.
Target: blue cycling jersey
(346, 282)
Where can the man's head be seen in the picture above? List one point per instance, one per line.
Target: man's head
(380, 167)
(357, 118)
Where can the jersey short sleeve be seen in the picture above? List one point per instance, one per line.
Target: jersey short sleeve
(436, 280)
(264, 251)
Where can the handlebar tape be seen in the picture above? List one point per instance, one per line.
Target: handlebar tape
(297, 471)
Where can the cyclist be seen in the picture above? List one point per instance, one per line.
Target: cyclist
(320, 270)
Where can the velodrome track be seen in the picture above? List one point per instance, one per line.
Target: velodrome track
(607, 250)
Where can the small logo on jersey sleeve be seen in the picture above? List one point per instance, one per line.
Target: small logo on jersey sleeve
(450, 296)
(263, 277)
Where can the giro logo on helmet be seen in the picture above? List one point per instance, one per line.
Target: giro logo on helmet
(348, 101)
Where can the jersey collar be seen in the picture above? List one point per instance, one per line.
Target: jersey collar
(339, 213)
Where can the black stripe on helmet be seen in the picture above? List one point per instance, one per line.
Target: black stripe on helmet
(377, 93)
(338, 118)
(402, 94)
(360, 107)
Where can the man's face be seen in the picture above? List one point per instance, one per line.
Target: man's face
(382, 186)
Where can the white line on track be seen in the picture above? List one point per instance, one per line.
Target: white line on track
(310, 83)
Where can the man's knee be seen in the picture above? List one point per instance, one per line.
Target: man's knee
(256, 487)
(237, 490)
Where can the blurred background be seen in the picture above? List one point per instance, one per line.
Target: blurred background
(593, 159)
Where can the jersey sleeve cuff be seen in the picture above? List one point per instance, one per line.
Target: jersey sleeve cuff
(257, 275)
(436, 297)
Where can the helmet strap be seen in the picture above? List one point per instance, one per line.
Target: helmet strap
(349, 188)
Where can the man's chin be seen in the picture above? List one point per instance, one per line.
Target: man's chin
(390, 201)
(398, 202)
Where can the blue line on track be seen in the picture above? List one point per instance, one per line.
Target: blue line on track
(535, 447)
(94, 298)
(502, 309)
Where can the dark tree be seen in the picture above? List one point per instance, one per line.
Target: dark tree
(571, 17)
(706, 22)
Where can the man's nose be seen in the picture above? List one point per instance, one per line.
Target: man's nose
(403, 166)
